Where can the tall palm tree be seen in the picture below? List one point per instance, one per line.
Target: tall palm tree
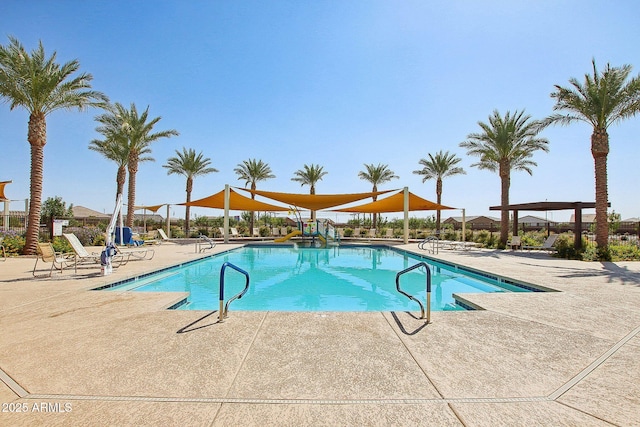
(437, 167)
(40, 85)
(506, 143)
(115, 149)
(376, 175)
(136, 129)
(310, 175)
(252, 171)
(603, 99)
(189, 164)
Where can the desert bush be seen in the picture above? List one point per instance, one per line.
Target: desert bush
(13, 242)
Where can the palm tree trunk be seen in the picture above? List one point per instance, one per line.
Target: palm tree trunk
(37, 137)
(253, 196)
(505, 179)
(438, 200)
(121, 178)
(131, 199)
(375, 217)
(600, 150)
(188, 209)
(313, 191)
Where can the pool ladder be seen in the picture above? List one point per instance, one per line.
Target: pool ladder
(411, 297)
(224, 308)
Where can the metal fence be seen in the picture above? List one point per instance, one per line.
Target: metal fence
(624, 233)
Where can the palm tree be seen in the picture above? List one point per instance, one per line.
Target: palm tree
(136, 130)
(376, 175)
(115, 149)
(603, 99)
(504, 144)
(189, 164)
(309, 176)
(252, 171)
(442, 165)
(40, 85)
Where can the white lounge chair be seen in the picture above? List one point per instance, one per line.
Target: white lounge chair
(547, 245)
(234, 233)
(80, 253)
(256, 232)
(163, 235)
(275, 232)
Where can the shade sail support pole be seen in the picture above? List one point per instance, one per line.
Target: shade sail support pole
(226, 213)
(464, 226)
(406, 215)
(168, 222)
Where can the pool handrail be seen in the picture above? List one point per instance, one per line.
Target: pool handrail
(411, 297)
(224, 308)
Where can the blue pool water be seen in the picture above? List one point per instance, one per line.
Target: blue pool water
(312, 279)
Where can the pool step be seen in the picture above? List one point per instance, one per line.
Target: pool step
(141, 281)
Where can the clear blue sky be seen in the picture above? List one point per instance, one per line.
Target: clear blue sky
(337, 83)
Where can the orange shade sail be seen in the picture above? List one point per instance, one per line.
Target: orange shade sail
(153, 208)
(237, 202)
(395, 203)
(314, 202)
(2, 184)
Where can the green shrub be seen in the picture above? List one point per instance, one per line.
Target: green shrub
(264, 231)
(625, 252)
(13, 242)
(348, 232)
(60, 244)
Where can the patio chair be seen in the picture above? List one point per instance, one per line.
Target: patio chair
(546, 246)
(234, 233)
(275, 232)
(256, 232)
(127, 237)
(46, 253)
(143, 253)
(80, 253)
(515, 243)
(163, 235)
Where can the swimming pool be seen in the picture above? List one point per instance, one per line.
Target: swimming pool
(341, 278)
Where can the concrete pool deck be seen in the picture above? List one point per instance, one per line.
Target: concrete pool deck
(71, 356)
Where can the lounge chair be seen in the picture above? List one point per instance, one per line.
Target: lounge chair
(546, 246)
(163, 235)
(256, 232)
(80, 253)
(372, 232)
(389, 233)
(127, 237)
(46, 253)
(234, 233)
(515, 243)
(275, 232)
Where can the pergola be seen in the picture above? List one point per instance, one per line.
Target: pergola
(551, 206)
